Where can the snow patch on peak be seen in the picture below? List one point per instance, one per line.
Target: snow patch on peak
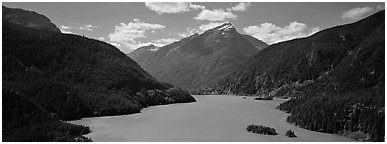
(226, 27)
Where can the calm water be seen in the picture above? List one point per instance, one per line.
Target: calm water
(211, 118)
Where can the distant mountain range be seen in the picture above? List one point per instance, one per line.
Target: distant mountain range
(49, 76)
(198, 61)
(334, 77)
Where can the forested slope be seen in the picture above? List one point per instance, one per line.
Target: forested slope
(70, 77)
(334, 77)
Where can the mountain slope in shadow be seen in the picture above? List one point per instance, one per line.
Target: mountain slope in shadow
(49, 77)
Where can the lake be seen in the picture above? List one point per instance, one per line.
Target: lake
(212, 118)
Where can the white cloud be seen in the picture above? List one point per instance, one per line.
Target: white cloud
(195, 6)
(168, 7)
(172, 7)
(76, 26)
(215, 15)
(239, 7)
(184, 34)
(356, 13)
(188, 31)
(380, 7)
(101, 38)
(271, 33)
(65, 27)
(88, 27)
(126, 34)
(136, 20)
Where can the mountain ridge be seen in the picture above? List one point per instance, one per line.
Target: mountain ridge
(200, 59)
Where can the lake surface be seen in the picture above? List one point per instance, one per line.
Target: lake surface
(211, 118)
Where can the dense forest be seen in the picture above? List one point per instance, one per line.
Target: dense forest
(350, 99)
(24, 120)
(335, 79)
(70, 77)
(259, 129)
(348, 114)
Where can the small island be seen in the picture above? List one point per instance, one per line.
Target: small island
(263, 98)
(261, 130)
(290, 134)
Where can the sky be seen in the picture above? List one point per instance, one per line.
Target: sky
(134, 24)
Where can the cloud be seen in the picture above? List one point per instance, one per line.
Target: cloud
(126, 34)
(101, 38)
(271, 33)
(188, 31)
(65, 27)
(75, 26)
(215, 15)
(239, 7)
(356, 13)
(168, 7)
(172, 7)
(88, 27)
(195, 6)
(380, 7)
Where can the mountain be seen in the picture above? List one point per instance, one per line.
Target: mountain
(48, 77)
(29, 19)
(199, 60)
(257, 43)
(142, 54)
(334, 77)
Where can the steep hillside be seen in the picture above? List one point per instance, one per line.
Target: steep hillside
(335, 78)
(200, 60)
(69, 77)
(29, 19)
(143, 54)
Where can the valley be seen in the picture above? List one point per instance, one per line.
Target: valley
(156, 78)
